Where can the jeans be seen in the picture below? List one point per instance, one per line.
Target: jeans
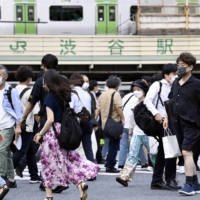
(112, 153)
(28, 149)
(2, 182)
(105, 147)
(6, 163)
(142, 156)
(86, 140)
(124, 146)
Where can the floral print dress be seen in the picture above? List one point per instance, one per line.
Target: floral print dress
(62, 167)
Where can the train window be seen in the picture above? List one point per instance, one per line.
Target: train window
(66, 13)
(151, 9)
(133, 13)
(112, 13)
(19, 13)
(100, 13)
(30, 13)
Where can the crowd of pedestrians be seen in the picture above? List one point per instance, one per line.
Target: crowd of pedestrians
(34, 116)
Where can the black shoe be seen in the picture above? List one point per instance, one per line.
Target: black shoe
(106, 165)
(121, 181)
(19, 171)
(35, 180)
(160, 186)
(59, 189)
(41, 187)
(101, 162)
(112, 170)
(92, 179)
(120, 166)
(173, 185)
(144, 166)
(11, 184)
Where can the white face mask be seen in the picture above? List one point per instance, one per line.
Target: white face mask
(85, 86)
(138, 94)
(172, 79)
(1, 80)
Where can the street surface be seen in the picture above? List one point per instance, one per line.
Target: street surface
(104, 188)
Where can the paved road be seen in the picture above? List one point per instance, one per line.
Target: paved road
(104, 188)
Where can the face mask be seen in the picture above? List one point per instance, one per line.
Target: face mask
(182, 71)
(138, 94)
(85, 86)
(172, 79)
(1, 80)
(30, 80)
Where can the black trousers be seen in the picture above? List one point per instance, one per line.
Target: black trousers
(99, 157)
(161, 163)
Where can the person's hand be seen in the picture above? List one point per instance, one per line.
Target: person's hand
(166, 123)
(17, 131)
(1, 138)
(158, 118)
(21, 120)
(37, 138)
(130, 137)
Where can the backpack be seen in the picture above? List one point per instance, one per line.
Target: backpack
(144, 118)
(70, 134)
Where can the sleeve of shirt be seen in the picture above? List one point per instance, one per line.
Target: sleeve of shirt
(16, 104)
(151, 95)
(36, 92)
(50, 103)
(117, 100)
(75, 103)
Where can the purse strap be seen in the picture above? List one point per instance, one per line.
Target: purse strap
(159, 98)
(111, 105)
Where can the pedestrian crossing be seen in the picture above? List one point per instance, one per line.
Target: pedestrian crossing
(102, 172)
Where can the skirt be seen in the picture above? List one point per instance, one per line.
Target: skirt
(62, 167)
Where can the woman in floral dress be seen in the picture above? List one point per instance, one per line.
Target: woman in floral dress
(59, 166)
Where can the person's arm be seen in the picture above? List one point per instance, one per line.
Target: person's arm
(118, 105)
(121, 114)
(148, 101)
(28, 110)
(97, 113)
(1, 138)
(48, 124)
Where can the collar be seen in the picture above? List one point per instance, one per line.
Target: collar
(165, 82)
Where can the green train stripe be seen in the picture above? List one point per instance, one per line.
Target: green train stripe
(106, 1)
(25, 1)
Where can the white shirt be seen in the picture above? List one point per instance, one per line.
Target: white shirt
(152, 97)
(127, 109)
(6, 120)
(85, 98)
(75, 103)
(24, 102)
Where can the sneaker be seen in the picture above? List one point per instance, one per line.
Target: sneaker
(35, 180)
(149, 168)
(182, 170)
(196, 188)
(19, 171)
(11, 184)
(187, 189)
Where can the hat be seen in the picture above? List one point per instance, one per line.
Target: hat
(141, 84)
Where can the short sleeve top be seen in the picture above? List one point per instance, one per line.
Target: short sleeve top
(55, 106)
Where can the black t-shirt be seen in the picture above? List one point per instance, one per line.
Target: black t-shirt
(53, 104)
(38, 93)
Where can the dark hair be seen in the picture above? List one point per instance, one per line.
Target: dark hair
(168, 68)
(187, 58)
(113, 82)
(23, 73)
(58, 86)
(50, 61)
(156, 77)
(98, 94)
(147, 78)
(92, 84)
(76, 79)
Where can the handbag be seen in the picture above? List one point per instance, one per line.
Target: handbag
(170, 145)
(113, 129)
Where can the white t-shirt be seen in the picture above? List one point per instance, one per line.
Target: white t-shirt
(6, 120)
(127, 109)
(24, 103)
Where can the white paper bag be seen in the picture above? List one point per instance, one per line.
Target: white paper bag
(153, 146)
(170, 145)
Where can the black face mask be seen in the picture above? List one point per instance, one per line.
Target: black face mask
(182, 71)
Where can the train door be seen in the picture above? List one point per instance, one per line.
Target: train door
(106, 19)
(25, 17)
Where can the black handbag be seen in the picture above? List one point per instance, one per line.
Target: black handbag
(113, 129)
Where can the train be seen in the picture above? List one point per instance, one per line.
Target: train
(68, 17)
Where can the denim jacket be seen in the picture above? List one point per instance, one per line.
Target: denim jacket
(17, 112)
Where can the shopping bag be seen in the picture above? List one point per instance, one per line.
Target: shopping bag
(153, 146)
(170, 145)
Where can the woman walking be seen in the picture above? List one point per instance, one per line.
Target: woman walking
(59, 166)
(138, 138)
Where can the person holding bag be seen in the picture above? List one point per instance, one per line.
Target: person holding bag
(110, 107)
(60, 166)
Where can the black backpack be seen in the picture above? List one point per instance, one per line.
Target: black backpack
(70, 134)
(145, 120)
